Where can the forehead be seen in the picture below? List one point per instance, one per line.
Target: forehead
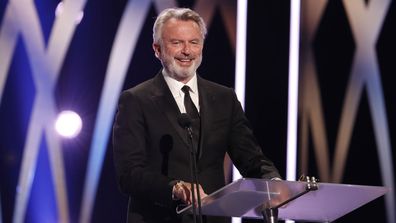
(175, 28)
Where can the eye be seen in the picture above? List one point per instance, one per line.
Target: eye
(175, 42)
(195, 42)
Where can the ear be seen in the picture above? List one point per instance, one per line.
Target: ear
(157, 50)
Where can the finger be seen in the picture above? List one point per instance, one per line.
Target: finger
(202, 192)
(186, 194)
(182, 192)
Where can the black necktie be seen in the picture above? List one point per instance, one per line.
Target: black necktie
(188, 103)
(192, 111)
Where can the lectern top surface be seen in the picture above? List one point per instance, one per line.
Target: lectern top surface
(246, 197)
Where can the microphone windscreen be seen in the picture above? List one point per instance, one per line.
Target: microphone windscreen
(184, 120)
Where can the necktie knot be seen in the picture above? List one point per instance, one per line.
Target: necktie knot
(186, 89)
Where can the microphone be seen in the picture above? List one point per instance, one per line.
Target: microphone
(184, 120)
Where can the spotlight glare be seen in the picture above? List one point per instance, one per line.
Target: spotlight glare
(68, 124)
(60, 9)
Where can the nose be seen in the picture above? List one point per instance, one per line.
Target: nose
(186, 49)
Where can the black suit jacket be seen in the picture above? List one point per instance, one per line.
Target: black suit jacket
(151, 149)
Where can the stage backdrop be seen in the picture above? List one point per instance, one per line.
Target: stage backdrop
(79, 54)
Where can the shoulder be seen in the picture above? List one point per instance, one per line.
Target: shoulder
(217, 95)
(154, 85)
(140, 88)
(137, 94)
(214, 87)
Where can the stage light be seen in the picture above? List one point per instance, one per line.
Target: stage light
(60, 8)
(68, 124)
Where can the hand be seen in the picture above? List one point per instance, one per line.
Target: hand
(182, 191)
(283, 191)
(280, 193)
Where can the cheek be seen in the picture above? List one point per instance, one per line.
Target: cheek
(197, 50)
(170, 52)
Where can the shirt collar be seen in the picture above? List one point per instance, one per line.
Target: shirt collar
(175, 86)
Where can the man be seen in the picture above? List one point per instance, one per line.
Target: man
(151, 149)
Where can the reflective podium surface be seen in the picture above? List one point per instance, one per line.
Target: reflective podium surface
(249, 197)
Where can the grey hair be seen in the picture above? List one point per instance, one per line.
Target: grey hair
(184, 14)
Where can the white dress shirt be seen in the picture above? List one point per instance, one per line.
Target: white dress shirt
(176, 89)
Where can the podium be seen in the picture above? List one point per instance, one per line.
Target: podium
(287, 200)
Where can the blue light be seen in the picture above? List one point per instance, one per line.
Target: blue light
(42, 205)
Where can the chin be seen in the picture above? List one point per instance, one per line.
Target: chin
(185, 73)
(183, 76)
(182, 73)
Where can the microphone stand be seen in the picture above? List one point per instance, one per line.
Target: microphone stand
(194, 174)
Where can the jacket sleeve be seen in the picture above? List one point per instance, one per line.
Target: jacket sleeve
(130, 155)
(244, 149)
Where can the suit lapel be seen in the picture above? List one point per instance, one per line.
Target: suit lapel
(163, 97)
(206, 98)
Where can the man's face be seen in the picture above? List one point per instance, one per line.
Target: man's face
(181, 49)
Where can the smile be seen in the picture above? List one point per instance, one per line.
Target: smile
(184, 59)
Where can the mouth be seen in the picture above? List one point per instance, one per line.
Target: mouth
(185, 61)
